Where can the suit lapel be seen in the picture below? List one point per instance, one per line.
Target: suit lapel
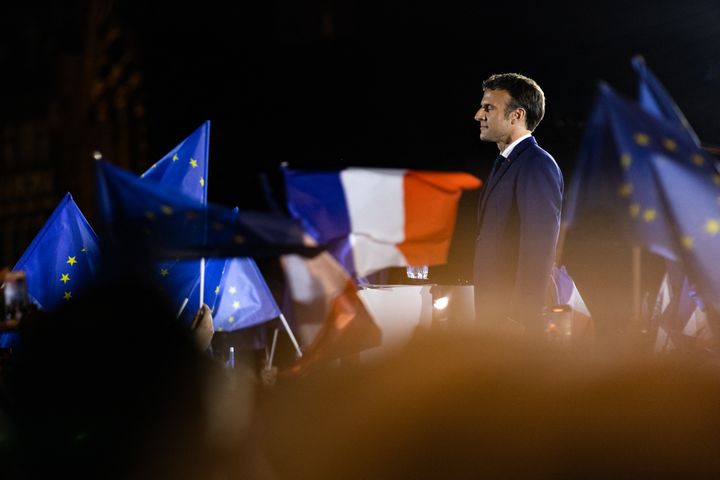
(495, 179)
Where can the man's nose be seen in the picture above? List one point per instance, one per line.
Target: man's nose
(479, 115)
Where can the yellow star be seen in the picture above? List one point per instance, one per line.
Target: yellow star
(232, 290)
(193, 163)
(688, 242)
(166, 210)
(634, 210)
(231, 319)
(236, 305)
(71, 261)
(65, 278)
(217, 289)
(698, 160)
(625, 189)
(649, 215)
(670, 145)
(625, 160)
(202, 182)
(716, 179)
(67, 295)
(150, 215)
(641, 139)
(712, 226)
(175, 157)
(239, 239)
(164, 272)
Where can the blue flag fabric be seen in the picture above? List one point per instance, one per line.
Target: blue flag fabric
(235, 291)
(691, 196)
(636, 134)
(185, 167)
(593, 187)
(180, 280)
(626, 181)
(150, 215)
(63, 258)
(654, 99)
(243, 298)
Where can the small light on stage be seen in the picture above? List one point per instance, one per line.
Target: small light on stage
(97, 155)
(441, 303)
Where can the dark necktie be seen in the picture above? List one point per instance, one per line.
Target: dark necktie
(496, 166)
(498, 161)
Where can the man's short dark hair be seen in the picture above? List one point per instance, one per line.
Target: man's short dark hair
(524, 93)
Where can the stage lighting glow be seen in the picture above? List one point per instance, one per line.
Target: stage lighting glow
(441, 303)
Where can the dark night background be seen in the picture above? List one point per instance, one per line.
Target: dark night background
(323, 83)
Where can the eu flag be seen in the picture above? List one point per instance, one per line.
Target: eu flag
(243, 298)
(62, 259)
(636, 137)
(691, 195)
(152, 215)
(185, 167)
(180, 282)
(592, 190)
(654, 99)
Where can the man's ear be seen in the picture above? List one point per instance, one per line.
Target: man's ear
(519, 115)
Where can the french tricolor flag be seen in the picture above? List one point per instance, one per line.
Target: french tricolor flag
(378, 218)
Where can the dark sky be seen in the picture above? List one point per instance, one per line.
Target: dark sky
(386, 83)
(397, 83)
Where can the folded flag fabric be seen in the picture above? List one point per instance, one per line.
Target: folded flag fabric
(566, 293)
(243, 298)
(150, 215)
(179, 280)
(185, 167)
(689, 193)
(679, 315)
(378, 218)
(655, 99)
(63, 258)
(322, 292)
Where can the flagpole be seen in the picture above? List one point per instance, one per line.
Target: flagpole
(637, 277)
(202, 282)
(205, 200)
(560, 243)
(290, 334)
(182, 307)
(272, 348)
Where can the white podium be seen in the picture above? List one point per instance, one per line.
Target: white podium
(399, 309)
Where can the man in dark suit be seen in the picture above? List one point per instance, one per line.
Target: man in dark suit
(519, 211)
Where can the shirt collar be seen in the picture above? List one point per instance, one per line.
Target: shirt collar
(508, 150)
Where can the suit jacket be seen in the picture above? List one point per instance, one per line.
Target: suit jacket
(518, 222)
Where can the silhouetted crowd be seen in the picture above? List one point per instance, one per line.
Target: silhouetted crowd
(112, 386)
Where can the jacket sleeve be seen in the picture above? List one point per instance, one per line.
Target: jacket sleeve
(539, 199)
